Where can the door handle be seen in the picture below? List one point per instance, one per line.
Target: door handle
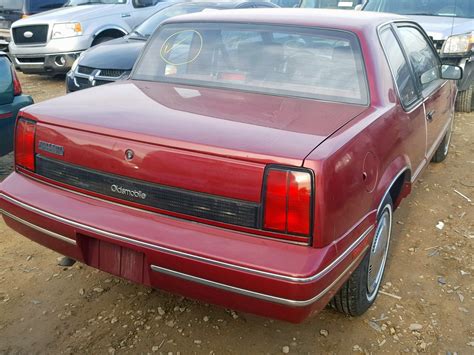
(126, 15)
(430, 115)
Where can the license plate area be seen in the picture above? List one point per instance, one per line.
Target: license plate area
(114, 259)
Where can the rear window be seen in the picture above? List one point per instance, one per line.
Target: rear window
(34, 6)
(11, 4)
(305, 62)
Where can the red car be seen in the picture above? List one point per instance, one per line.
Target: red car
(253, 160)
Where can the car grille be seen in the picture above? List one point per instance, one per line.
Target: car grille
(185, 202)
(39, 34)
(111, 73)
(438, 44)
(85, 70)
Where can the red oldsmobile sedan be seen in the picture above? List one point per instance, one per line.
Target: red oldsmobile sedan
(253, 160)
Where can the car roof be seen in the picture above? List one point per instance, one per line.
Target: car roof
(339, 19)
(223, 4)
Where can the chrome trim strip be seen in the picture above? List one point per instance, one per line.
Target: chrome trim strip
(122, 238)
(38, 228)
(254, 294)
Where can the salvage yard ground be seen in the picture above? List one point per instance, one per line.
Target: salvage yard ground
(427, 302)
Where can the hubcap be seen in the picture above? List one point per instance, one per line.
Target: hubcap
(378, 252)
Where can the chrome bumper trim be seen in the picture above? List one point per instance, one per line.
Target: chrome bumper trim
(258, 295)
(38, 228)
(139, 243)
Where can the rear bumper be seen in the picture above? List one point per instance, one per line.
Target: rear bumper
(227, 268)
(8, 115)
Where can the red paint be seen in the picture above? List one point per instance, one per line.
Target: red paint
(220, 142)
(6, 115)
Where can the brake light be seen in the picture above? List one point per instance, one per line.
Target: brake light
(288, 201)
(16, 84)
(25, 144)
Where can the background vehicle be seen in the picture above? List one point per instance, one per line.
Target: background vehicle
(11, 101)
(114, 60)
(450, 24)
(260, 185)
(49, 43)
(13, 10)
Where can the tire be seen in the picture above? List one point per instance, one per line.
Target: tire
(360, 291)
(443, 149)
(100, 40)
(464, 100)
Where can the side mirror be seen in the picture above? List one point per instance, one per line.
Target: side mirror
(358, 7)
(451, 72)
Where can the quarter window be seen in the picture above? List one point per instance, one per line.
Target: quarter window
(400, 68)
(424, 60)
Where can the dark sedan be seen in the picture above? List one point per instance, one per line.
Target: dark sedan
(114, 60)
(11, 101)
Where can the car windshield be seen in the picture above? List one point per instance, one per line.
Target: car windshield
(94, 2)
(150, 25)
(275, 60)
(447, 8)
(11, 4)
(330, 4)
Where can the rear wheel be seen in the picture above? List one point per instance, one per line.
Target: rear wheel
(360, 291)
(464, 100)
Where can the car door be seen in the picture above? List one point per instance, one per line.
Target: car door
(436, 92)
(410, 127)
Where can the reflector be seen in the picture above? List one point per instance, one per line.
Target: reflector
(25, 144)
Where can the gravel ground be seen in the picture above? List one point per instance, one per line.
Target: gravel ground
(427, 304)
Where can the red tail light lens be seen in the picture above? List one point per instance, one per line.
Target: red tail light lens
(16, 84)
(25, 144)
(288, 201)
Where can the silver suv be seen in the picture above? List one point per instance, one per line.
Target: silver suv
(50, 42)
(450, 24)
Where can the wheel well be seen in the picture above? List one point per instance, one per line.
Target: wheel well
(108, 33)
(400, 188)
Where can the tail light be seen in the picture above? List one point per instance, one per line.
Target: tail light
(288, 201)
(16, 84)
(25, 144)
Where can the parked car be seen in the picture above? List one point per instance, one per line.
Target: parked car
(450, 24)
(49, 43)
(114, 60)
(11, 101)
(253, 160)
(13, 10)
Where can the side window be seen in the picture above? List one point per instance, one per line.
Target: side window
(400, 68)
(424, 60)
(144, 3)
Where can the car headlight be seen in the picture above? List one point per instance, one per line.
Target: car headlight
(459, 44)
(64, 30)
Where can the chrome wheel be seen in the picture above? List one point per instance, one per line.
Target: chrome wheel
(378, 252)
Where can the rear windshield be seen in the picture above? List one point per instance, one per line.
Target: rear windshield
(446, 8)
(276, 60)
(33, 6)
(11, 4)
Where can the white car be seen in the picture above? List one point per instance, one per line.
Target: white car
(50, 42)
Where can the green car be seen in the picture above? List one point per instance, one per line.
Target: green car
(11, 101)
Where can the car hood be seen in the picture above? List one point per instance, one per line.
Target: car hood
(72, 13)
(440, 28)
(234, 124)
(120, 53)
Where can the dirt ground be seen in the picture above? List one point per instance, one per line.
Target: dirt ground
(427, 305)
